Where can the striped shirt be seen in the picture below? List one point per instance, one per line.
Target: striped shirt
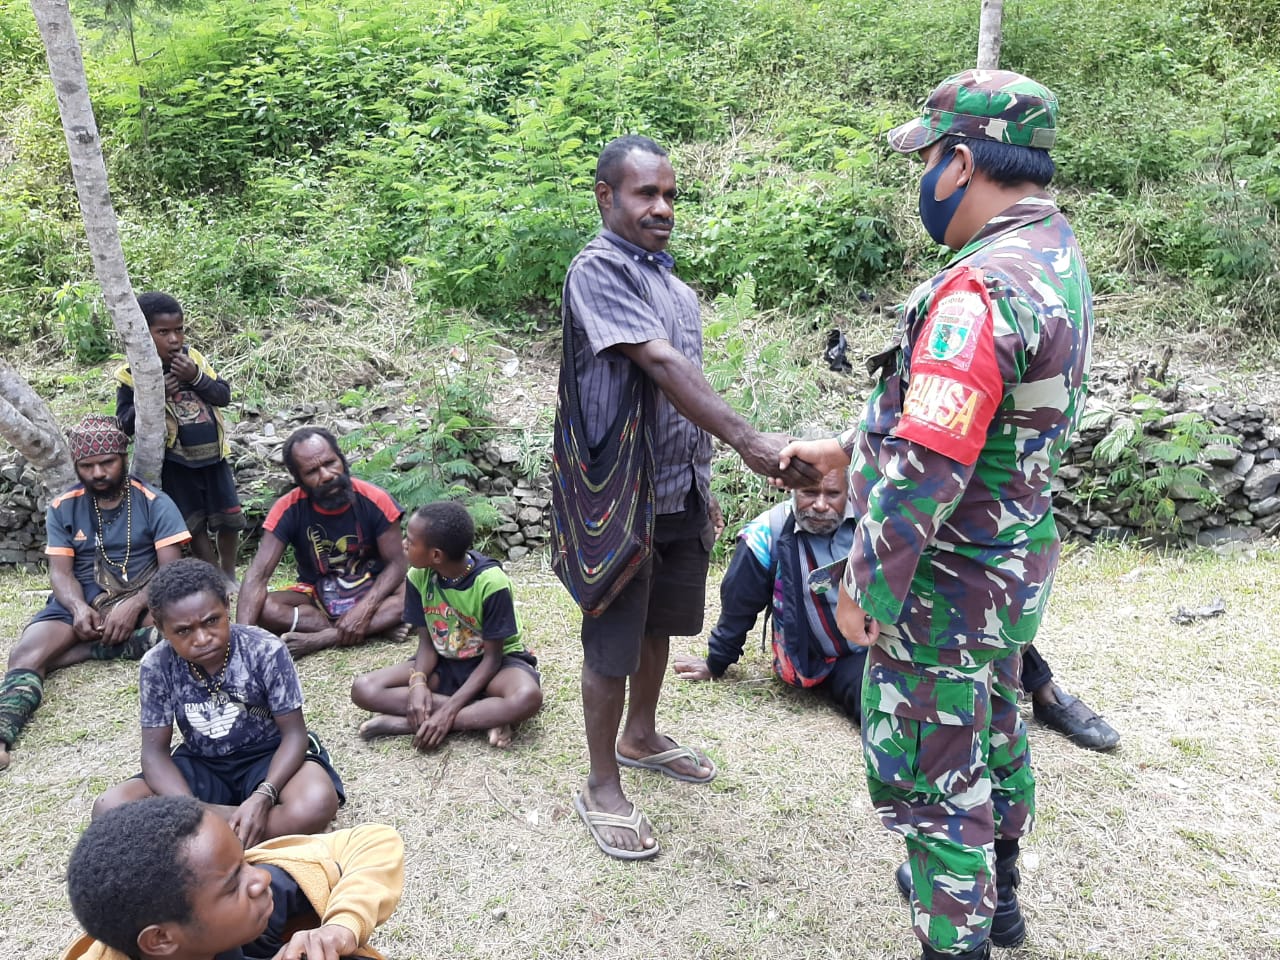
(617, 293)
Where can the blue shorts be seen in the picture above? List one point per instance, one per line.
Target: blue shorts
(230, 780)
(53, 610)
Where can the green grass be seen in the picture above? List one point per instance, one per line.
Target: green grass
(782, 856)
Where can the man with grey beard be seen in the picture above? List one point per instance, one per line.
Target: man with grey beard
(791, 556)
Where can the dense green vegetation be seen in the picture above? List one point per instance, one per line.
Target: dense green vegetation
(266, 152)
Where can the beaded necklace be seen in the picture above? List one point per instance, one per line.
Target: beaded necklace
(213, 687)
(128, 534)
(454, 581)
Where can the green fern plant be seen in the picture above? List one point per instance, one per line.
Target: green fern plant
(1155, 460)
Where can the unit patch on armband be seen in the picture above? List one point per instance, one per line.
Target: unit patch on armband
(943, 402)
(954, 384)
(952, 326)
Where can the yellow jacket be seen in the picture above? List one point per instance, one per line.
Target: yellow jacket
(350, 877)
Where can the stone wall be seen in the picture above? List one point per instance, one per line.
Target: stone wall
(1247, 478)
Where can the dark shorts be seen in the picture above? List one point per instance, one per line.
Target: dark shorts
(666, 597)
(206, 496)
(230, 780)
(452, 674)
(53, 610)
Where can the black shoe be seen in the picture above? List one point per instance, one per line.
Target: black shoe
(977, 953)
(1073, 717)
(902, 876)
(1008, 927)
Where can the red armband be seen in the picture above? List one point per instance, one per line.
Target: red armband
(955, 384)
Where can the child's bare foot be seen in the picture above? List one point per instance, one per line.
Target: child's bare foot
(501, 737)
(4, 755)
(384, 725)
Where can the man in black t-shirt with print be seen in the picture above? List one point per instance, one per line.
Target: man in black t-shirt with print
(346, 539)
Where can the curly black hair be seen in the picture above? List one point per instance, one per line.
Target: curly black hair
(184, 578)
(306, 433)
(153, 303)
(129, 870)
(615, 153)
(449, 527)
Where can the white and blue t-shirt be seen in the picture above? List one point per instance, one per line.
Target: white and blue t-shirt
(259, 684)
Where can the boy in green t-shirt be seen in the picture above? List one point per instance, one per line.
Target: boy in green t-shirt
(471, 671)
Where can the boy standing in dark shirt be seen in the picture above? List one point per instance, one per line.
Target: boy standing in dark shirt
(196, 473)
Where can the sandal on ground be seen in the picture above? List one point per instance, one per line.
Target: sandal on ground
(664, 763)
(595, 819)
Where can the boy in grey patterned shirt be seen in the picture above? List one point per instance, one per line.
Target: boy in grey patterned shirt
(235, 695)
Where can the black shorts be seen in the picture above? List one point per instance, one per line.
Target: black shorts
(206, 496)
(230, 780)
(452, 674)
(666, 597)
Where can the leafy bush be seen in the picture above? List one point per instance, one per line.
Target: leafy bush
(804, 242)
(80, 317)
(1219, 237)
(1155, 460)
(265, 155)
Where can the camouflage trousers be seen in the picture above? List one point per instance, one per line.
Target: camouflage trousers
(948, 767)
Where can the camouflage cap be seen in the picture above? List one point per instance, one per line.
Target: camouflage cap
(997, 105)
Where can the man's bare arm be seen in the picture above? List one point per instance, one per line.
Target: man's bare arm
(253, 591)
(687, 389)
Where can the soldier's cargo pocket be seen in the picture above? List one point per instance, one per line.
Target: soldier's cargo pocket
(921, 731)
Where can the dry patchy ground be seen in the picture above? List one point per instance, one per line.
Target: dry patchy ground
(1166, 848)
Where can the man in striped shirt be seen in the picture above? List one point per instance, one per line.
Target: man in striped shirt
(628, 307)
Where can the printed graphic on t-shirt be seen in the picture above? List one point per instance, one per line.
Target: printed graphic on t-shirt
(233, 709)
(214, 718)
(341, 556)
(458, 640)
(189, 409)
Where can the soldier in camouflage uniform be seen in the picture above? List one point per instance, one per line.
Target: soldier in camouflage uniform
(950, 472)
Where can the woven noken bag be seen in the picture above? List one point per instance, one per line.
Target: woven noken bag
(602, 500)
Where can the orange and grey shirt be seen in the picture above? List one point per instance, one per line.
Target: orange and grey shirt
(144, 521)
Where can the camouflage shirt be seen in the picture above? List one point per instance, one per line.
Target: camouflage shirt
(952, 464)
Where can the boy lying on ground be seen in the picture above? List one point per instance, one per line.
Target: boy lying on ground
(165, 877)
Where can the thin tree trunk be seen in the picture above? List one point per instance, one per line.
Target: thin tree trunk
(66, 67)
(27, 423)
(989, 34)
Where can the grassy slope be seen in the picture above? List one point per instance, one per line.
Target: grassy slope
(1164, 849)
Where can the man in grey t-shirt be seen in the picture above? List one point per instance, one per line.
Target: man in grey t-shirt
(628, 307)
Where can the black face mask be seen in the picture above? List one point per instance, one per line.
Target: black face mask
(936, 215)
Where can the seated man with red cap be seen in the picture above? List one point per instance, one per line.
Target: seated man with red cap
(106, 536)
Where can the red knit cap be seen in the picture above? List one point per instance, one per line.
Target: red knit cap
(95, 436)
